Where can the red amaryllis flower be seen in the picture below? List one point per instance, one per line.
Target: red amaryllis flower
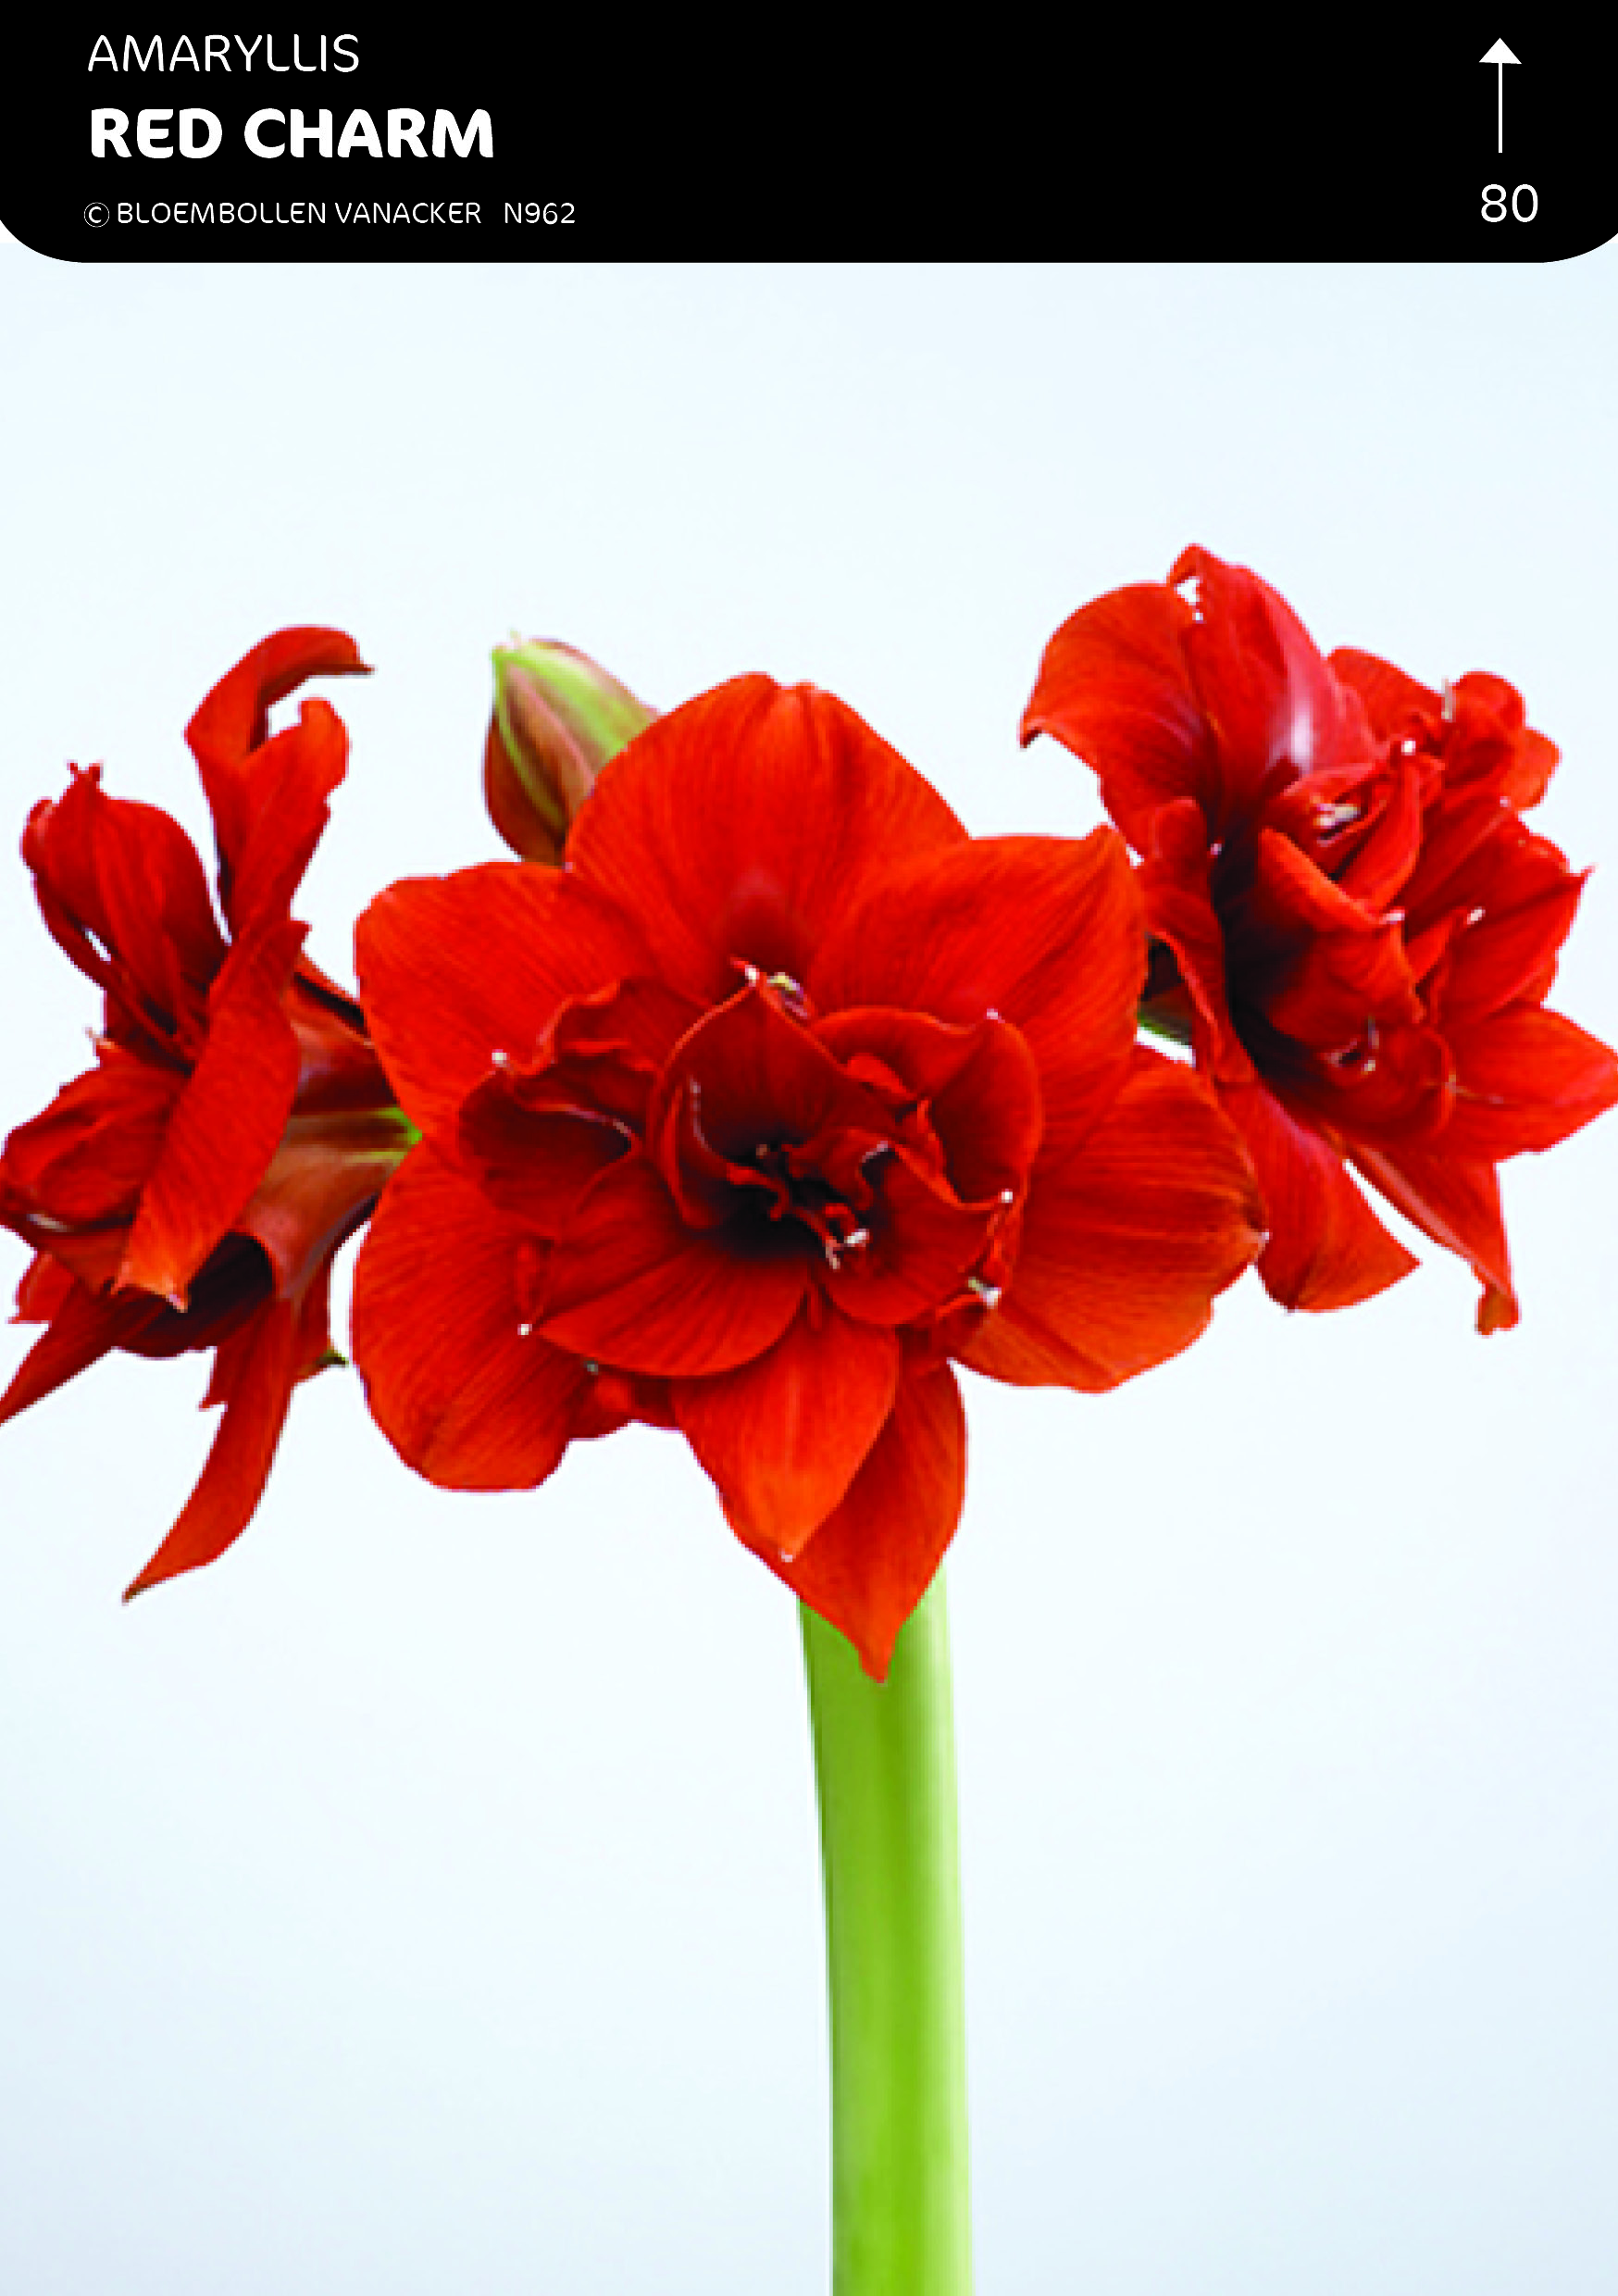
(1351, 922)
(779, 1095)
(190, 1190)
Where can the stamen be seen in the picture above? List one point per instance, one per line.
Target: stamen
(989, 1293)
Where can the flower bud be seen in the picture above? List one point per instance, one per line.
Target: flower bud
(558, 716)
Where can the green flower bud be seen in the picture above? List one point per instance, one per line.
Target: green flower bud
(558, 717)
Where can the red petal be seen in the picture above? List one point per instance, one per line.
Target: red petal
(1459, 1206)
(784, 1436)
(46, 1287)
(460, 975)
(1116, 689)
(122, 889)
(227, 1122)
(535, 1163)
(82, 1330)
(323, 1179)
(631, 1285)
(468, 1396)
(1043, 931)
(870, 1563)
(1125, 1241)
(1175, 879)
(1524, 1078)
(282, 791)
(220, 1509)
(1263, 682)
(923, 1244)
(980, 1086)
(739, 830)
(234, 722)
(84, 1161)
(749, 1073)
(1394, 702)
(1327, 1247)
(1508, 955)
(1493, 741)
(235, 716)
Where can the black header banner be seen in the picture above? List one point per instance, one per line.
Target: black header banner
(352, 139)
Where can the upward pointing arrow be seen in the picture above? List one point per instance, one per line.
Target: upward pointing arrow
(1499, 56)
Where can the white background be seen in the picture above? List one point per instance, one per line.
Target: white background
(425, 1898)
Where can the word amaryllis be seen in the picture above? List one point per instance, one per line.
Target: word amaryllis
(190, 1191)
(780, 1096)
(1351, 922)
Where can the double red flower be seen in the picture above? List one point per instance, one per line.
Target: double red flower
(1351, 922)
(780, 1095)
(191, 1190)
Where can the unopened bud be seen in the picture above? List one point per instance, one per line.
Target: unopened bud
(558, 717)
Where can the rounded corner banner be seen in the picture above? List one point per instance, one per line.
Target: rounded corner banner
(347, 140)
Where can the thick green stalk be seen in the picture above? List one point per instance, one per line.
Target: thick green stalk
(885, 1773)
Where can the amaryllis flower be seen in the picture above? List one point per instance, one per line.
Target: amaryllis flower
(1351, 921)
(779, 1095)
(190, 1190)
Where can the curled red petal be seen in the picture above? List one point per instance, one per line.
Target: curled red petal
(784, 1436)
(233, 719)
(466, 1389)
(1125, 1241)
(282, 790)
(739, 829)
(232, 724)
(256, 1392)
(876, 1555)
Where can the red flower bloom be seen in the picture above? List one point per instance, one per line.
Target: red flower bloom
(1351, 922)
(779, 1095)
(190, 1190)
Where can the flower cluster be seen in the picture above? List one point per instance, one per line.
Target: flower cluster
(1351, 922)
(756, 1094)
(192, 1191)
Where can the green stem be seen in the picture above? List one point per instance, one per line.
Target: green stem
(885, 1772)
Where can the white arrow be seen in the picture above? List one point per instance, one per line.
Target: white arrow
(1499, 56)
